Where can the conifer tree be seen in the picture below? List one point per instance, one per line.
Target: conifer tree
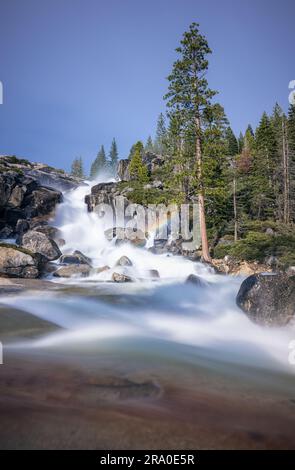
(113, 155)
(161, 136)
(137, 169)
(188, 92)
(99, 164)
(263, 184)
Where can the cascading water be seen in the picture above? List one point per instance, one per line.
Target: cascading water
(165, 310)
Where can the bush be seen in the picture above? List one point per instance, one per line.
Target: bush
(256, 246)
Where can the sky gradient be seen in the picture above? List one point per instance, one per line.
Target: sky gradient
(77, 73)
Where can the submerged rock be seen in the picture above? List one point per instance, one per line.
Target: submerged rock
(124, 261)
(17, 262)
(117, 277)
(81, 270)
(268, 299)
(195, 280)
(38, 242)
(154, 273)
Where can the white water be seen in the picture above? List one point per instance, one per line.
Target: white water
(205, 318)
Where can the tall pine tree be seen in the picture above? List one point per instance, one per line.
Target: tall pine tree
(188, 92)
(113, 155)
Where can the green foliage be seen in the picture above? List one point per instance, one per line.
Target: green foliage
(256, 246)
(19, 161)
(138, 171)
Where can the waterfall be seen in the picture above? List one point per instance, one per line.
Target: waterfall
(168, 310)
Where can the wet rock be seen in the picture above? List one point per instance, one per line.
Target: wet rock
(76, 258)
(5, 232)
(124, 261)
(195, 280)
(104, 193)
(154, 273)
(38, 242)
(117, 277)
(268, 299)
(83, 257)
(16, 262)
(21, 227)
(77, 270)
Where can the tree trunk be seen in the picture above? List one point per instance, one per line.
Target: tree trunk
(201, 198)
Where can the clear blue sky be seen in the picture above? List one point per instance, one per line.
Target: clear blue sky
(77, 73)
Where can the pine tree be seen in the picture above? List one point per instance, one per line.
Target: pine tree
(149, 146)
(99, 164)
(188, 93)
(77, 168)
(263, 185)
(113, 155)
(137, 169)
(161, 136)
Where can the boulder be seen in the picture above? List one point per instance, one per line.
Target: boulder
(194, 280)
(117, 277)
(76, 258)
(17, 262)
(77, 270)
(124, 261)
(48, 230)
(268, 299)
(41, 201)
(154, 273)
(38, 242)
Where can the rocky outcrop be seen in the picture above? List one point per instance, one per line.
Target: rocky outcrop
(230, 265)
(105, 193)
(17, 262)
(268, 299)
(22, 198)
(43, 174)
(151, 160)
